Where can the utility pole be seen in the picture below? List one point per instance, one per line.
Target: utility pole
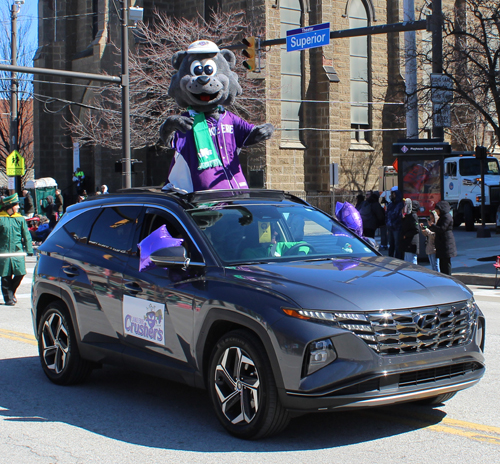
(14, 126)
(437, 54)
(126, 158)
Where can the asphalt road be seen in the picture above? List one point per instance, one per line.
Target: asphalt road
(121, 417)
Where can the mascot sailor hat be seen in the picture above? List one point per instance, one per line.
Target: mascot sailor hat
(203, 46)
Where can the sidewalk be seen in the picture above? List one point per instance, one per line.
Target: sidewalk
(476, 256)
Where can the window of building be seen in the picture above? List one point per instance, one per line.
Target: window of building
(291, 73)
(95, 18)
(360, 74)
(115, 228)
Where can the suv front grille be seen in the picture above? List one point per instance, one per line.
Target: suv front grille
(413, 330)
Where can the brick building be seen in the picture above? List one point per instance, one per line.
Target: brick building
(340, 103)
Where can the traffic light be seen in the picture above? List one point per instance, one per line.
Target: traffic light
(481, 152)
(250, 52)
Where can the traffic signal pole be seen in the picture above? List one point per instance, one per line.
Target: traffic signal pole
(14, 125)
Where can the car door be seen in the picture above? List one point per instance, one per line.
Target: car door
(158, 304)
(451, 182)
(97, 264)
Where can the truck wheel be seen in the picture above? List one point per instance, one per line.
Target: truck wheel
(469, 216)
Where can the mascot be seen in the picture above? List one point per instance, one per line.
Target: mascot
(207, 138)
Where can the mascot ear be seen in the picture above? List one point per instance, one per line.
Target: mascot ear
(230, 57)
(177, 59)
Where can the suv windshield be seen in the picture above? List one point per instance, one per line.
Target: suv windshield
(269, 232)
(472, 167)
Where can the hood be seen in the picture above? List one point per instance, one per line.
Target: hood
(50, 199)
(398, 196)
(443, 206)
(374, 197)
(362, 284)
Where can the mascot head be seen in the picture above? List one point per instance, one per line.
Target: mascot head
(204, 78)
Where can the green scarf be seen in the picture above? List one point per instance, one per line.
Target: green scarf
(205, 149)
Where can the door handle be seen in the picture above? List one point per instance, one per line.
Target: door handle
(70, 271)
(133, 287)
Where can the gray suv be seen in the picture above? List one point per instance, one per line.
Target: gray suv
(270, 304)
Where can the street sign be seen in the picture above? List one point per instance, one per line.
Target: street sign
(441, 89)
(442, 116)
(420, 147)
(308, 37)
(15, 164)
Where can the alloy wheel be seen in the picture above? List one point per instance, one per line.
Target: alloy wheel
(237, 386)
(55, 343)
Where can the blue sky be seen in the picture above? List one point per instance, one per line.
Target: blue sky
(29, 12)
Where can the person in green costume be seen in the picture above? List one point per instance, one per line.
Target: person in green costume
(15, 240)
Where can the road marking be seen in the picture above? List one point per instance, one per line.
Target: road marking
(477, 432)
(18, 336)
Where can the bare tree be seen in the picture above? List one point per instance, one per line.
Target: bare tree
(150, 74)
(25, 52)
(471, 60)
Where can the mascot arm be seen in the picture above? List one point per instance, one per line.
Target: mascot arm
(173, 124)
(259, 133)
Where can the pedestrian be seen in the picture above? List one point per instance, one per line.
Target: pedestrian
(394, 217)
(15, 239)
(50, 210)
(430, 245)
(78, 179)
(29, 207)
(444, 238)
(410, 231)
(59, 201)
(372, 214)
(360, 198)
(104, 189)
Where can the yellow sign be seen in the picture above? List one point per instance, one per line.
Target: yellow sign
(15, 164)
(264, 232)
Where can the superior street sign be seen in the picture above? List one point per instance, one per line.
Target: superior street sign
(308, 37)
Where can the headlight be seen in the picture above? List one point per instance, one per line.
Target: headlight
(318, 354)
(331, 316)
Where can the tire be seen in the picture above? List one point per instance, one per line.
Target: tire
(458, 218)
(57, 347)
(437, 399)
(243, 389)
(469, 217)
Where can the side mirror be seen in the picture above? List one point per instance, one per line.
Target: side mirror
(175, 255)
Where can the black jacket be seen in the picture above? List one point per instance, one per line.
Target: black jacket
(28, 204)
(410, 234)
(444, 239)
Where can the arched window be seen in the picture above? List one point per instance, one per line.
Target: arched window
(360, 73)
(291, 73)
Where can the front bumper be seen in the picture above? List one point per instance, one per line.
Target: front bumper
(389, 388)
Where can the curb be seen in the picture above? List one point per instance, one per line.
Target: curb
(475, 279)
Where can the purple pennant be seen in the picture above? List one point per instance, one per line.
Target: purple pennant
(155, 241)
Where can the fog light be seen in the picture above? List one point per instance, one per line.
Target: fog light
(318, 355)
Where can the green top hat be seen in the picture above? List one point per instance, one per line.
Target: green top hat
(10, 201)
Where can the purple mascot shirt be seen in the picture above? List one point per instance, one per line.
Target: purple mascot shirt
(228, 134)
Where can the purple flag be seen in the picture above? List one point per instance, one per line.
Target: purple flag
(155, 241)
